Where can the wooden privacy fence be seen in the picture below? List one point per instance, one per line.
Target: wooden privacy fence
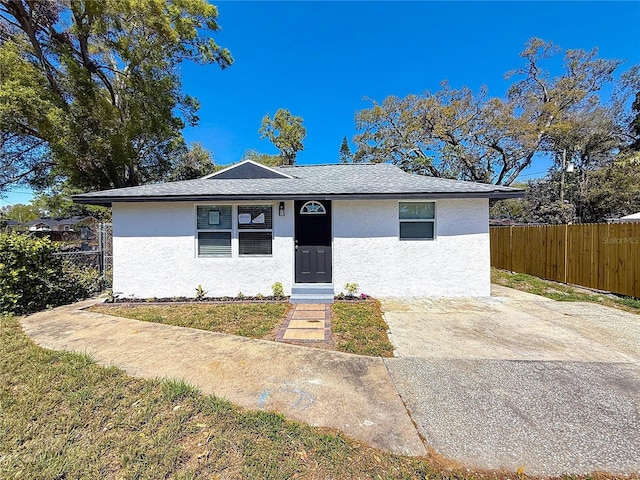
(604, 256)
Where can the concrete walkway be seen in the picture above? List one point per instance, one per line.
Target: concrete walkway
(351, 393)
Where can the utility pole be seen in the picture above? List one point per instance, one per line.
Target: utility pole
(564, 166)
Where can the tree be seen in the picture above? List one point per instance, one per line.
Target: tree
(614, 191)
(345, 151)
(286, 132)
(57, 203)
(264, 158)
(457, 133)
(20, 212)
(194, 162)
(89, 90)
(634, 126)
(542, 202)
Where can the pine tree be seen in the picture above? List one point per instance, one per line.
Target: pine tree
(345, 151)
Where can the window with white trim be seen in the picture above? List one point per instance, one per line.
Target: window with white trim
(417, 220)
(312, 208)
(248, 227)
(215, 228)
(255, 230)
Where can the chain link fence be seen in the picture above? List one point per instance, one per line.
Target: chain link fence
(100, 258)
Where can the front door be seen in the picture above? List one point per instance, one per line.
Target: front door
(313, 241)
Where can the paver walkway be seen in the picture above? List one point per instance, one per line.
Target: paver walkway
(306, 322)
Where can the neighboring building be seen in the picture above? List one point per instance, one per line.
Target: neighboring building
(634, 217)
(9, 224)
(81, 227)
(58, 224)
(312, 228)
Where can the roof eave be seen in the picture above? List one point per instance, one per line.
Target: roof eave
(108, 200)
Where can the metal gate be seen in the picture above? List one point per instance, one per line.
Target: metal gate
(105, 249)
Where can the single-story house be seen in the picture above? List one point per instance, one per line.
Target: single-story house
(312, 228)
(66, 224)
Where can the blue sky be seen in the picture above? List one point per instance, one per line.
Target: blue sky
(320, 59)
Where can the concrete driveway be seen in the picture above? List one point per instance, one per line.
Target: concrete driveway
(518, 380)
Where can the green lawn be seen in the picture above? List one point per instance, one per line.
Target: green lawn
(255, 320)
(357, 327)
(561, 291)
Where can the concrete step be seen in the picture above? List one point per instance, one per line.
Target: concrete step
(312, 293)
(324, 288)
(301, 298)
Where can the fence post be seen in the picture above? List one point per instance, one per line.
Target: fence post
(100, 248)
(511, 248)
(566, 252)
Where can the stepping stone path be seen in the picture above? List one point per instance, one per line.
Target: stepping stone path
(305, 323)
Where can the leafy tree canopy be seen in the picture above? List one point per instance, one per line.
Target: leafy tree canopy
(20, 212)
(195, 162)
(264, 158)
(286, 132)
(90, 91)
(459, 133)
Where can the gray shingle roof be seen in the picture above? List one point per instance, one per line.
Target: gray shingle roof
(379, 180)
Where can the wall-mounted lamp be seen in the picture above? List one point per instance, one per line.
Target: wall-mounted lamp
(281, 209)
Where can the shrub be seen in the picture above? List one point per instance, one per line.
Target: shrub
(277, 290)
(32, 278)
(351, 288)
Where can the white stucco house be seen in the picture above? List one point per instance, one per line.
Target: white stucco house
(312, 228)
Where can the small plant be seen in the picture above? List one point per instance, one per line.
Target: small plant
(364, 296)
(240, 296)
(111, 297)
(277, 290)
(200, 294)
(351, 288)
(259, 296)
(340, 296)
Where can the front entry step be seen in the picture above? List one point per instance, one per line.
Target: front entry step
(312, 293)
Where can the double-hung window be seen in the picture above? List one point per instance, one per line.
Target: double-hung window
(215, 228)
(255, 230)
(244, 229)
(417, 220)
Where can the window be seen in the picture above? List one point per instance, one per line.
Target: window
(313, 208)
(218, 227)
(255, 230)
(214, 224)
(417, 220)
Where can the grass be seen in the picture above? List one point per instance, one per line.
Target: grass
(63, 416)
(359, 328)
(254, 320)
(560, 291)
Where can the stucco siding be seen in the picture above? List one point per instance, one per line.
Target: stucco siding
(367, 250)
(154, 249)
(155, 252)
